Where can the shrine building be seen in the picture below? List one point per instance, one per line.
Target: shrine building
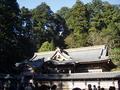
(78, 67)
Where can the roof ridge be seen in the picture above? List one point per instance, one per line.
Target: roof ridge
(86, 48)
(74, 49)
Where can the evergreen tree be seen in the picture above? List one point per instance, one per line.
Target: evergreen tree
(78, 22)
(63, 12)
(14, 45)
(46, 46)
(48, 26)
(102, 24)
(40, 18)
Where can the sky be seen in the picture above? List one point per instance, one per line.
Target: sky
(56, 4)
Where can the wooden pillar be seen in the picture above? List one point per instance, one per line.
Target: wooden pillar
(86, 85)
(69, 71)
(119, 84)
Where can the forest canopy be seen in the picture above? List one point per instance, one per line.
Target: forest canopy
(24, 31)
(16, 37)
(94, 23)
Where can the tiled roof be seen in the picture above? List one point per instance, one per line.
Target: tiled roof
(80, 76)
(36, 63)
(84, 54)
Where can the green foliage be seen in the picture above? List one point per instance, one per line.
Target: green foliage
(115, 56)
(73, 41)
(95, 23)
(48, 26)
(15, 43)
(89, 24)
(63, 12)
(102, 24)
(70, 41)
(46, 46)
(77, 21)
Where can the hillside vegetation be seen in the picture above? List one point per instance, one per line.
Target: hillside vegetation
(90, 24)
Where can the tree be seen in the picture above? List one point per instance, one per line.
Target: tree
(70, 41)
(63, 12)
(103, 23)
(15, 44)
(115, 56)
(46, 46)
(48, 26)
(42, 15)
(78, 22)
(94, 23)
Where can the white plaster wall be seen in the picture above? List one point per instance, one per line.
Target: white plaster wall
(94, 70)
(96, 83)
(69, 85)
(84, 84)
(107, 84)
(80, 84)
